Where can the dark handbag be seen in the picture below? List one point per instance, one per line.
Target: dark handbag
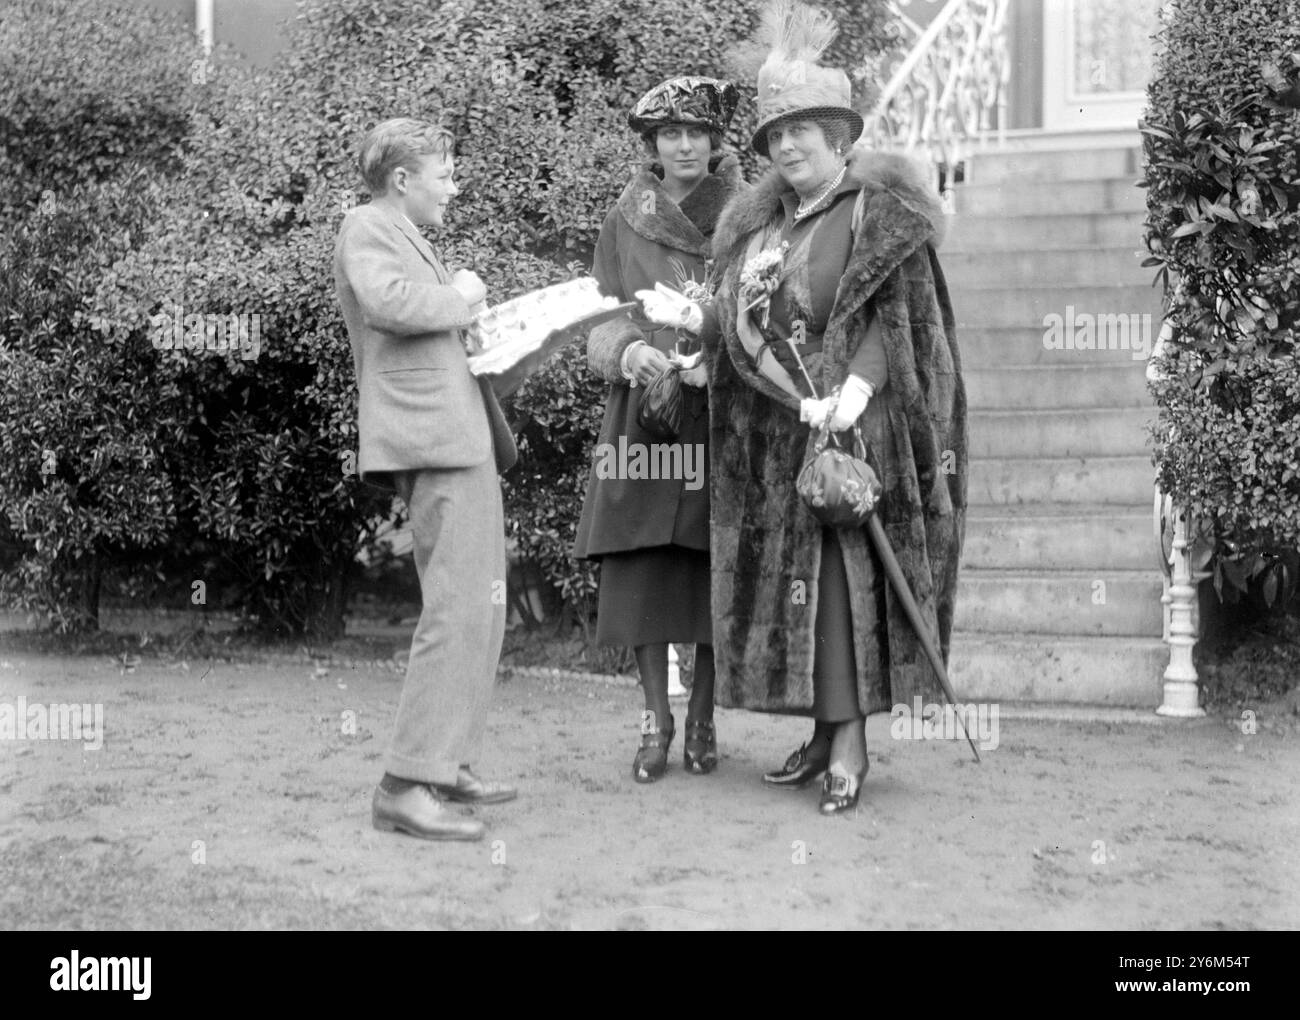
(660, 410)
(839, 488)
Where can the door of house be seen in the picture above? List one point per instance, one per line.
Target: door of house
(1097, 59)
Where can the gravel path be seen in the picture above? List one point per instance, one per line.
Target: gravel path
(237, 795)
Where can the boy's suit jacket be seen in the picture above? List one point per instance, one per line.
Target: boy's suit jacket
(419, 405)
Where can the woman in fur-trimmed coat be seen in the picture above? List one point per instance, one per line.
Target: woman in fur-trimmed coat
(804, 620)
(651, 534)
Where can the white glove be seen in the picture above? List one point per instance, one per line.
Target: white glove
(697, 376)
(671, 308)
(815, 412)
(854, 395)
(691, 367)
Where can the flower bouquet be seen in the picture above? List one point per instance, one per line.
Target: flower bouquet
(760, 278)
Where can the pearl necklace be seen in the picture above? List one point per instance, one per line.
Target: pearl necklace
(807, 207)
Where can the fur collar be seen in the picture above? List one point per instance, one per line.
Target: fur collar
(905, 180)
(689, 226)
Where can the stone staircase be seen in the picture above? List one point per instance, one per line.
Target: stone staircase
(1059, 597)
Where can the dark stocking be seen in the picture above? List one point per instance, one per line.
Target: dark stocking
(652, 664)
(821, 738)
(700, 708)
(849, 746)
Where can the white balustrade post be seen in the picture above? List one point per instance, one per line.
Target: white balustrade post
(1181, 694)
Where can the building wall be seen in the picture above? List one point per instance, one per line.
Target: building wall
(1025, 46)
(253, 27)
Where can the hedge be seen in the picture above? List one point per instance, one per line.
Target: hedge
(1223, 225)
(261, 476)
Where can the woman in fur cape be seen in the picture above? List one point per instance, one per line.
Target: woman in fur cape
(804, 621)
(650, 528)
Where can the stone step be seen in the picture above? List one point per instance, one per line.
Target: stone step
(996, 167)
(1064, 308)
(1126, 481)
(1093, 670)
(1006, 232)
(1078, 383)
(990, 347)
(1114, 603)
(1038, 198)
(1059, 537)
(1083, 266)
(1077, 432)
(1060, 583)
(1072, 139)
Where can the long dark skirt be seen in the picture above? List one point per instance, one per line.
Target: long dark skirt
(654, 596)
(835, 688)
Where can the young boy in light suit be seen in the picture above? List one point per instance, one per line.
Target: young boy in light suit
(434, 434)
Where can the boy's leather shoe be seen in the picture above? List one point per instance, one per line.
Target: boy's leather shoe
(470, 789)
(418, 812)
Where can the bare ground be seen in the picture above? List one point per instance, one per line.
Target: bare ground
(228, 795)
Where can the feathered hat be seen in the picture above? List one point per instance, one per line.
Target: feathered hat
(709, 102)
(790, 81)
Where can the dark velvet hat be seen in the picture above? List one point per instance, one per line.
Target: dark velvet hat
(709, 102)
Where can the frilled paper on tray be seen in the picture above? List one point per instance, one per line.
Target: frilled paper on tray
(533, 326)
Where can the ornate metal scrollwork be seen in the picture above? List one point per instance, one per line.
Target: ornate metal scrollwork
(950, 83)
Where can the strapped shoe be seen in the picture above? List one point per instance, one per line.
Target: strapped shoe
(651, 761)
(840, 792)
(700, 749)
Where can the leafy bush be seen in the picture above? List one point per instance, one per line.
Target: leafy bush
(88, 86)
(258, 482)
(96, 105)
(1220, 140)
(544, 151)
(85, 449)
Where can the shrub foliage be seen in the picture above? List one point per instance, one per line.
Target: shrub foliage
(536, 92)
(96, 109)
(1220, 140)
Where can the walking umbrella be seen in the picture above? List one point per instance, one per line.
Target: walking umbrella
(897, 579)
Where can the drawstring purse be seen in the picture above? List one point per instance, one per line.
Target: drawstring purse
(839, 487)
(660, 409)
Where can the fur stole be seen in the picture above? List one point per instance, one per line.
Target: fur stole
(689, 226)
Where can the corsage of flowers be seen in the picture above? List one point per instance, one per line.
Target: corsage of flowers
(761, 277)
(699, 291)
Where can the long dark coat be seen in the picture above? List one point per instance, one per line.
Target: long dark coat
(766, 546)
(641, 234)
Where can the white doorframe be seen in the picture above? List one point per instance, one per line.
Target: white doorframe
(1064, 107)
